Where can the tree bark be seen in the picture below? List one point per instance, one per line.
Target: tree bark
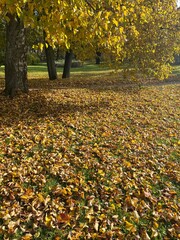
(58, 53)
(50, 58)
(67, 64)
(15, 57)
(98, 57)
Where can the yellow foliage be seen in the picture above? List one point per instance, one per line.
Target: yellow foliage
(130, 227)
(140, 32)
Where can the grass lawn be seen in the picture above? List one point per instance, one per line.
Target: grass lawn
(86, 161)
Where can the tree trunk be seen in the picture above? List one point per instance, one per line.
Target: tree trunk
(67, 64)
(58, 53)
(98, 57)
(16, 57)
(51, 62)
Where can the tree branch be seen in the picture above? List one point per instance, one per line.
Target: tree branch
(90, 5)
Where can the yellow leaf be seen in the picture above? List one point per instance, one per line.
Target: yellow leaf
(48, 220)
(106, 26)
(40, 46)
(28, 236)
(107, 15)
(127, 164)
(19, 11)
(46, 45)
(130, 227)
(100, 172)
(106, 133)
(67, 44)
(155, 225)
(103, 230)
(40, 197)
(57, 238)
(121, 30)
(115, 22)
(112, 206)
(89, 214)
(102, 216)
(154, 233)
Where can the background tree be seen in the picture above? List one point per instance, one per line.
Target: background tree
(50, 58)
(2, 42)
(67, 64)
(151, 40)
(139, 32)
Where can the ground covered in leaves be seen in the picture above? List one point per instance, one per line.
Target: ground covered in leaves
(90, 163)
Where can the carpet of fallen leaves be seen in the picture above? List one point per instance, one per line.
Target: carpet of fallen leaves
(90, 163)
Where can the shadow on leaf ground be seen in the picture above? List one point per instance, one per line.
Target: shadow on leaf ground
(36, 106)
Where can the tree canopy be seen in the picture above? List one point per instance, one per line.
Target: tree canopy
(140, 32)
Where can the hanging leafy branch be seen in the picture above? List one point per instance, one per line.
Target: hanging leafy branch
(137, 32)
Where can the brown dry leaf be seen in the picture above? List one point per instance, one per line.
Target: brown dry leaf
(104, 171)
(63, 218)
(57, 238)
(28, 194)
(96, 225)
(144, 235)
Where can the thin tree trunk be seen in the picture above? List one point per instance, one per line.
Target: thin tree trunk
(58, 53)
(50, 58)
(67, 64)
(16, 57)
(98, 57)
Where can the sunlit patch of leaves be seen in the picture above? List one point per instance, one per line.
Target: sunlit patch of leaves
(87, 163)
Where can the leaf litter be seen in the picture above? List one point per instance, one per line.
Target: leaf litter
(86, 163)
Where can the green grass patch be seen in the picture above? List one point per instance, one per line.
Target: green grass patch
(176, 70)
